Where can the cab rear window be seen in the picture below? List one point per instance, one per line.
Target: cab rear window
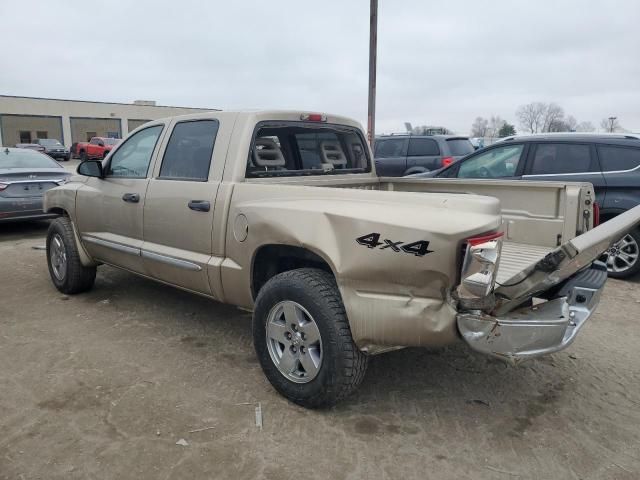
(295, 148)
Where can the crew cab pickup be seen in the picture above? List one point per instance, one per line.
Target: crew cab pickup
(96, 148)
(282, 213)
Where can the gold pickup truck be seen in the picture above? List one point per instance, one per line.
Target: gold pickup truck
(282, 213)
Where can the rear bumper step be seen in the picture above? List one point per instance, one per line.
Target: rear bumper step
(537, 330)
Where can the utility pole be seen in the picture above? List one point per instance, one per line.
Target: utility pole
(612, 121)
(373, 46)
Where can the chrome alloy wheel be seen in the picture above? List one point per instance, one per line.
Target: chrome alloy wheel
(58, 257)
(622, 255)
(294, 342)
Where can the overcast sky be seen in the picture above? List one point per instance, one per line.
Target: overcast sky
(439, 63)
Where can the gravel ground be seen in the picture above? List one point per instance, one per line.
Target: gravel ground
(103, 385)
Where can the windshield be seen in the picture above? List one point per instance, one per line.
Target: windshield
(111, 141)
(49, 141)
(17, 158)
(295, 148)
(460, 147)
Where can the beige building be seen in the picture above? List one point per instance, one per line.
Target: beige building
(23, 119)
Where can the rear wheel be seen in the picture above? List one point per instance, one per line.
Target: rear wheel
(302, 338)
(623, 257)
(83, 155)
(63, 259)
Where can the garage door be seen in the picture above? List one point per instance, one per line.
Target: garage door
(26, 128)
(82, 129)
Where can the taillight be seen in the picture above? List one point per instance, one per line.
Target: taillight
(446, 161)
(480, 265)
(313, 117)
(596, 214)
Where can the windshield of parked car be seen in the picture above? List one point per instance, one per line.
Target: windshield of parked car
(295, 148)
(460, 146)
(20, 158)
(111, 141)
(49, 141)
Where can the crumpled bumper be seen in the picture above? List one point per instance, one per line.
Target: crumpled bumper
(540, 329)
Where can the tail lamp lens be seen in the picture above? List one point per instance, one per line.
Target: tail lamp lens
(480, 265)
(446, 161)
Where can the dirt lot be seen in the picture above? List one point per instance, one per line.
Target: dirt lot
(104, 384)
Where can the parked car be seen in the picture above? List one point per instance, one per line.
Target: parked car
(611, 162)
(398, 155)
(283, 213)
(30, 146)
(97, 147)
(25, 175)
(54, 148)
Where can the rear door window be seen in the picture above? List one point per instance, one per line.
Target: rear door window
(188, 153)
(391, 147)
(460, 147)
(560, 158)
(423, 147)
(615, 159)
(497, 162)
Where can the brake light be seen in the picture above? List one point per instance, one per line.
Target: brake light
(596, 214)
(473, 241)
(446, 161)
(313, 117)
(479, 267)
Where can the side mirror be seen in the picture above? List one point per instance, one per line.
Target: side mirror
(91, 168)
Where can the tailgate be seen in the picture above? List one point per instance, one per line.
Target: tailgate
(563, 262)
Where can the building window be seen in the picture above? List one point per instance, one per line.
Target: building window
(42, 134)
(113, 134)
(25, 136)
(90, 135)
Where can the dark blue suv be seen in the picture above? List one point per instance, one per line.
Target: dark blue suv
(611, 162)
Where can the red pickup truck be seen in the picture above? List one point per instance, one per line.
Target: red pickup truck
(97, 147)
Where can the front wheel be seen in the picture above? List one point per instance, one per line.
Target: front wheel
(67, 272)
(303, 341)
(623, 257)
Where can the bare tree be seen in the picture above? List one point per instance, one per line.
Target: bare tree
(585, 127)
(611, 125)
(553, 118)
(495, 124)
(532, 116)
(479, 127)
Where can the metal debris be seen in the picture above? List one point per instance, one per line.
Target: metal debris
(182, 442)
(201, 429)
(259, 416)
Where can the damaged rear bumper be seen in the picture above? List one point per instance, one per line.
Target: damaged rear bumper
(537, 330)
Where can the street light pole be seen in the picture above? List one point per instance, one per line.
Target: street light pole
(373, 46)
(611, 123)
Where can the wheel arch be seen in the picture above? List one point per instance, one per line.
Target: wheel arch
(271, 259)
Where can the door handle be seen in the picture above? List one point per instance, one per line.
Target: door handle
(131, 197)
(199, 205)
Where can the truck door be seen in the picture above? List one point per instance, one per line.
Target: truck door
(178, 211)
(109, 210)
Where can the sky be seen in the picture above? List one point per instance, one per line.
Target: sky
(439, 63)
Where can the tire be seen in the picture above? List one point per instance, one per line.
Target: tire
(83, 155)
(67, 272)
(340, 365)
(623, 258)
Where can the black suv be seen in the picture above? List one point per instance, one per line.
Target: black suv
(398, 155)
(611, 162)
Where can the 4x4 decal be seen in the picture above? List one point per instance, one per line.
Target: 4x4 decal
(372, 240)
